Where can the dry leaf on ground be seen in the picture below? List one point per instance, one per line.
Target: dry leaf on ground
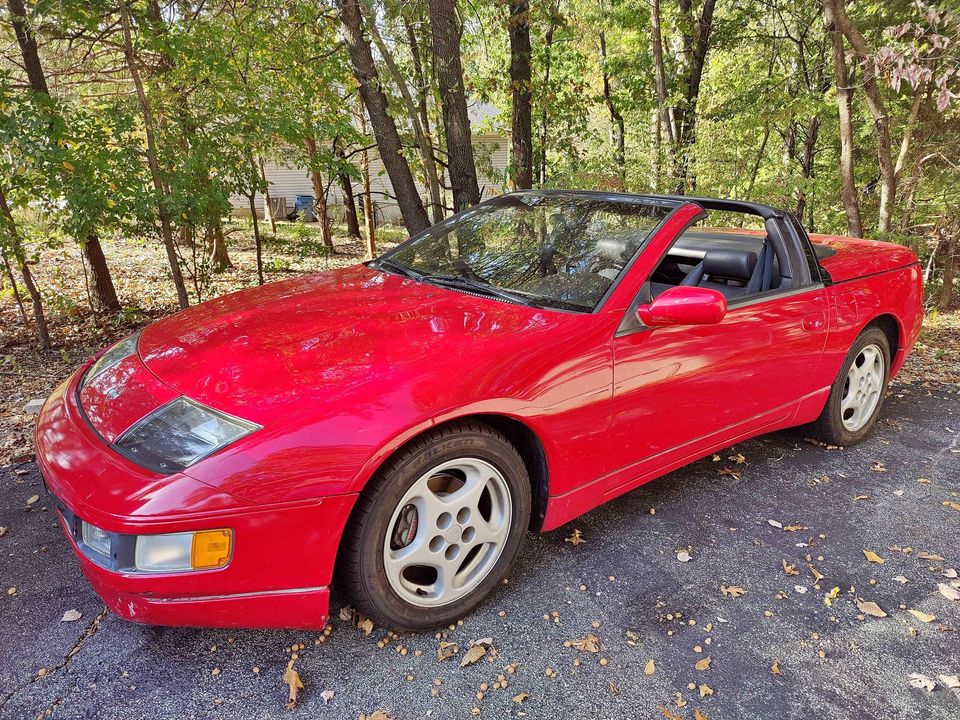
(775, 668)
(951, 681)
(869, 607)
(776, 524)
(697, 715)
(952, 504)
(924, 555)
(292, 679)
(922, 616)
(817, 575)
(789, 569)
(71, 616)
(705, 690)
(520, 697)
(684, 556)
(948, 592)
(472, 655)
(591, 643)
(32, 499)
(669, 715)
(873, 557)
(703, 665)
(733, 591)
(649, 668)
(575, 539)
(919, 680)
(327, 696)
(447, 650)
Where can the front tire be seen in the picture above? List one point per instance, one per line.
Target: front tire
(857, 394)
(437, 528)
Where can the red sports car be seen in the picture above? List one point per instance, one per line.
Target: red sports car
(400, 425)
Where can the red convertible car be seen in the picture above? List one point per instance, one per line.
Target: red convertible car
(400, 425)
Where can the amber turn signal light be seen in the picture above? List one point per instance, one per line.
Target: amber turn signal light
(211, 548)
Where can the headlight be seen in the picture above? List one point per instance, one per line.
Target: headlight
(96, 539)
(123, 349)
(179, 434)
(174, 552)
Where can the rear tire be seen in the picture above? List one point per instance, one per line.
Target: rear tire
(437, 528)
(857, 394)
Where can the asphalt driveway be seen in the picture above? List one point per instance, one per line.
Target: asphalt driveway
(626, 585)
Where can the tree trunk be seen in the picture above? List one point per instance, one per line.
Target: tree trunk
(424, 141)
(848, 193)
(319, 195)
(696, 42)
(871, 91)
(13, 285)
(166, 228)
(437, 209)
(949, 265)
(349, 203)
(521, 89)
(20, 257)
(548, 55)
(219, 257)
(105, 295)
(617, 134)
(659, 75)
(755, 170)
(908, 131)
(461, 167)
(268, 201)
(28, 47)
(384, 128)
(806, 162)
(368, 211)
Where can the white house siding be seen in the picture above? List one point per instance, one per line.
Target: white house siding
(492, 157)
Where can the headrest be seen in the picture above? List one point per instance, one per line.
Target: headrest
(729, 264)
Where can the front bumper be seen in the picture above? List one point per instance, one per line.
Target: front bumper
(283, 554)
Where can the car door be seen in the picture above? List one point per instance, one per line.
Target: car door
(682, 391)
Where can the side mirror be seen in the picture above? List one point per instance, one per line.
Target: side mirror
(684, 305)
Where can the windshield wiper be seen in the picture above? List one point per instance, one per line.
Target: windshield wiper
(463, 283)
(399, 269)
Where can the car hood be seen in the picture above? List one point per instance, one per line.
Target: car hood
(267, 352)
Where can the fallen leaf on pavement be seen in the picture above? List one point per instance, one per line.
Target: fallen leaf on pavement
(292, 679)
(873, 557)
(901, 579)
(950, 573)
(472, 655)
(817, 575)
(669, 715)
(684, 556)
(919, 680)
(697, 715)
(366, 624)
(733, 591)
(951, 681)
(739, 459)
(775, 524)
(870, 608)
(346, 613)
(3, 530)
(591, 643)
(878, 467)
(32, 499)
(327, 696)
(730, 471)
(800, 589)
(775, 668)
(447, 650)
(575, 539)
(922, 616)
(649, 668)
(704, 664)
(705, 690)
(789, 569)
(378, 715)
(520, 697)
(948, 592)
(831, 596)
(952, 504)
(71, 616)
(923, 555)
(794, 528)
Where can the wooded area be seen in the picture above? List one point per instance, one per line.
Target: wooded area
(125, 119)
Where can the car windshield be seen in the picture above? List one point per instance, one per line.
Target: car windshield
(543, 249)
